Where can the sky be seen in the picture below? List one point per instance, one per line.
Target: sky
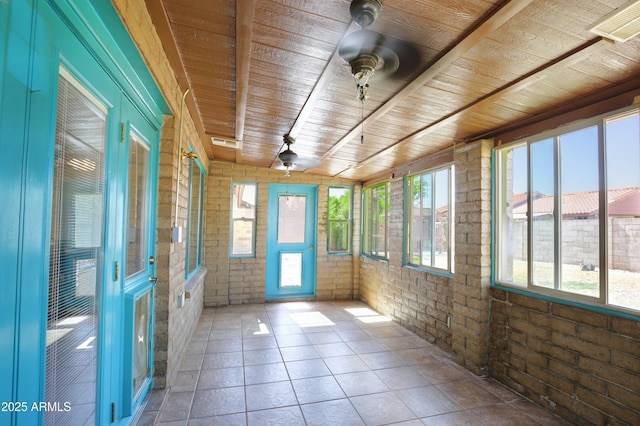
(579, 156)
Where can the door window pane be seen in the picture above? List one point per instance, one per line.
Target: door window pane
(291, 218)
(75, 270)
(141, 368)
(138, 205)
(290, 269)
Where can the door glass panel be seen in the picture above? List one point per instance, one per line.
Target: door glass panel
(290, 269)
(141, 343)
(75, 270)
(291, 218)
(138, 206)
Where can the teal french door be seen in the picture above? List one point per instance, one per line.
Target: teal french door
(291, 241)
(100, 304)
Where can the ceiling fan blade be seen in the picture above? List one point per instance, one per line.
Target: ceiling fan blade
(300, 165)
(409, 57)
(358, 42)
(398, 58)
(307, 163)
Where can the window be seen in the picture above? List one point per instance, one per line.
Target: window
(195, 219)
(243, 219)
(375, 220)
(568, 212)
(138, 206)
(428, 219)
(339, 219)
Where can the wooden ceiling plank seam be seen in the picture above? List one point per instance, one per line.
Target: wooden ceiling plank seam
(541, 73)
(161, 22)
(244, 20)
(318, 89)
(494, 21)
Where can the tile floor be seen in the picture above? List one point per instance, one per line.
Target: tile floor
(325, 363)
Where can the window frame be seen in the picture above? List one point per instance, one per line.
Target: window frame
(348, 221)
(601, 302)
(193, 164)
(254, 220)
(366, 235)
(408, 222)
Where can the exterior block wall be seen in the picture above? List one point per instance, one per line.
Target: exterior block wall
(238, 280)
(173, 325)
(582, 365)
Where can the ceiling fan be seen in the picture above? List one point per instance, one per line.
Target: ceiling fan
(370, 53)
(291, 161)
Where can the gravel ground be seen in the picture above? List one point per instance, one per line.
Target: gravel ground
(624, 286)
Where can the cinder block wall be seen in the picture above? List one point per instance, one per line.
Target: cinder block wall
(423, 301)
(242, 280)
(471, 287)
(581, 365)
(173, 325)
(418, 300)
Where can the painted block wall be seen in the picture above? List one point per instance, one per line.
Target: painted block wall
(241, 280)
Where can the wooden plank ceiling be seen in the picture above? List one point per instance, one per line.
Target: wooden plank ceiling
(259, 69)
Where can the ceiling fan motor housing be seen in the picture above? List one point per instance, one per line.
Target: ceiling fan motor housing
(364, 65)
(365, 12)
(288, 157)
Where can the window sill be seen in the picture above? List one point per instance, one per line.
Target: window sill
(599, 308)
(378, 259)
(195, 280)
(427, 270)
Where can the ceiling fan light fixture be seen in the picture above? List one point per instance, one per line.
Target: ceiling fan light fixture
(363, 67)
(288, 157)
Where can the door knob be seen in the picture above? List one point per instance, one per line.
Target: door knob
(153, 280)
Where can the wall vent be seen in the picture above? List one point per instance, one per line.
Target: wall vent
(227, 143)
(621, 24)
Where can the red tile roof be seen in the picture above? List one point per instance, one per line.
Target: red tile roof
(622, 202)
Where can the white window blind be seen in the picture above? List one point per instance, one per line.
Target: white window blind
(75, 277)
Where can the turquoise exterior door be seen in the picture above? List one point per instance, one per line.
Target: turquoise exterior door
(291, 242)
